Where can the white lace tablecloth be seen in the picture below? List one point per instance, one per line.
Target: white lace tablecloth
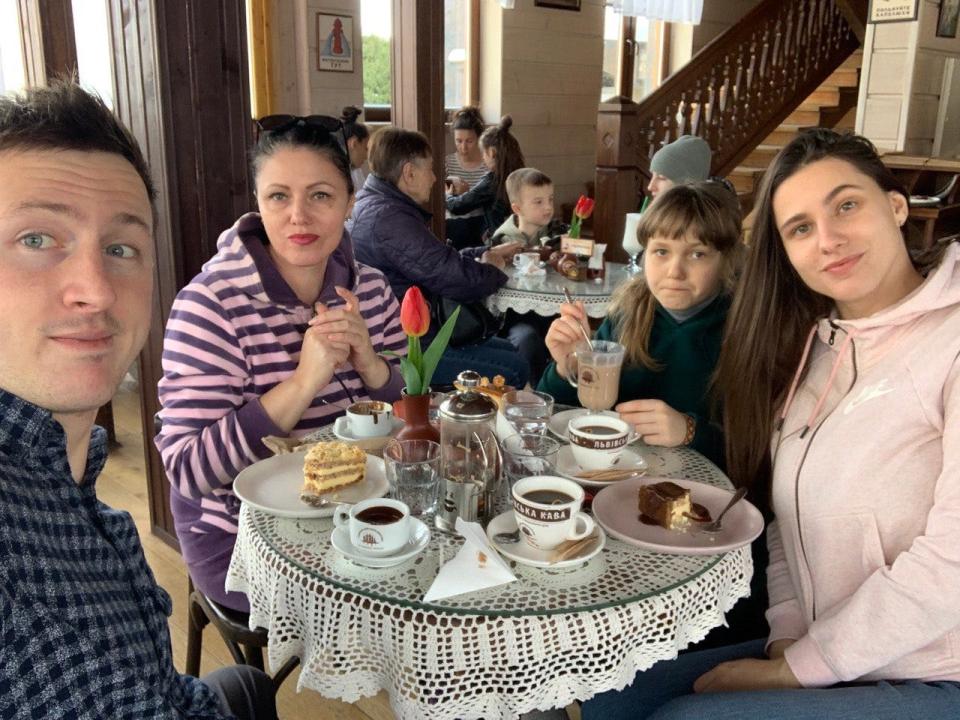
(553, 637)
(543, 294)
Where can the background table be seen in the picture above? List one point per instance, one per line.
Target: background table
(550, 638)
(543, 295)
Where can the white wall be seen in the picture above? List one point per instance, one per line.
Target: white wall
(901, 81)
(549, 79)
(300, 87)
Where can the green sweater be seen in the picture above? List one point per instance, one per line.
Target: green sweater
(688, 352)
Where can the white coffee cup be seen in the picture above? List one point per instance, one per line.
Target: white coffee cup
(377, 527)
(370, 418)
(547, 510)
(597, 440)
(524, 261)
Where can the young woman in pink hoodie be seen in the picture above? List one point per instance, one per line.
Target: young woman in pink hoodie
(841, 382)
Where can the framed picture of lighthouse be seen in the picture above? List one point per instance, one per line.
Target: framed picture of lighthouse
(334, 42)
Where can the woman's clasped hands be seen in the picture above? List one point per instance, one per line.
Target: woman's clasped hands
(339, 335)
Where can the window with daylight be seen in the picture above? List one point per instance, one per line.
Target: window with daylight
(460, 52)
(632, 51)
(12, 71)
(376, 21)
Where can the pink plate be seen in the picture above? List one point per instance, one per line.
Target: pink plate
(615, 508)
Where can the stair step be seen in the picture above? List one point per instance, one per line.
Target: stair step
(744, 178)
(782, 135)
(803, 116)
(761, 156)
(824, 96)
(844, 77)
(854, 61)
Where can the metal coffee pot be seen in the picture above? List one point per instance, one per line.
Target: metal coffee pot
(469, 455)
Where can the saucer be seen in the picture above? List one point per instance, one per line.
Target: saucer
(419, 537)
(568, 467)
(525, 555)
(341, 430)
(558, 421)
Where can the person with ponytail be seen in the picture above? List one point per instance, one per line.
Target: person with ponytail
(357, 136)
(501, 155)
(840, 376)
(670, 320)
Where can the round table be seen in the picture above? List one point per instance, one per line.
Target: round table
(543, 294)
(550, 638)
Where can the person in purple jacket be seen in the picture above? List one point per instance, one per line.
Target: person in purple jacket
(390, 229)
(279, 333)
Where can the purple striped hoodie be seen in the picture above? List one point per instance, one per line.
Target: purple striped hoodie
(233, 334)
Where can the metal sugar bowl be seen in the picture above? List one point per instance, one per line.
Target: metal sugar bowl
(469, 455)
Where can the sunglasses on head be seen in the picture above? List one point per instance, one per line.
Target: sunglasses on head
(280, 123)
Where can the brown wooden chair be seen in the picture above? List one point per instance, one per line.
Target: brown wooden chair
(245, 645)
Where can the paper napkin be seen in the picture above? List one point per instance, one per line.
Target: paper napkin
(477, 566)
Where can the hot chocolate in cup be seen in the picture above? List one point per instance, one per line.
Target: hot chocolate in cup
(377, 527)
(547, 510)
(597, 440)
(370, 418)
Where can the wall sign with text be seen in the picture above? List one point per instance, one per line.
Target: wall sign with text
(885, 11)
(334, 42)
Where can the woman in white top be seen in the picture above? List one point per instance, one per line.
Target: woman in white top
(464, 169)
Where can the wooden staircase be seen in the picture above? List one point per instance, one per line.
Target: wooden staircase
(833, 104)
(785, 65)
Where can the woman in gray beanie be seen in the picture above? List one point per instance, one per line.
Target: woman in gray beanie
(686, 159)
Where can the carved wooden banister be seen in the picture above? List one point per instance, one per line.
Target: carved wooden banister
(733, 93)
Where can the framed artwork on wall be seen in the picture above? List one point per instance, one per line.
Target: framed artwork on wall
(559, 4)
(885, 11)
(947, 21)
(334, 42)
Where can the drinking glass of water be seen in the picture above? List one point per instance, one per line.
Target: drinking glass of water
(413, 471)
(526, 455)
(527, 411)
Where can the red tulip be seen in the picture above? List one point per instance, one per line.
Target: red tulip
(584, 208)
(414, 313)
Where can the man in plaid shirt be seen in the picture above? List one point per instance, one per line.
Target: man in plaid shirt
(83, 624)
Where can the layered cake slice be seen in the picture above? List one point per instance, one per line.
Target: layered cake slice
(665, 504)
(330, 465)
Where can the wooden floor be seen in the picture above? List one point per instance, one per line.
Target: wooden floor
(123, 485)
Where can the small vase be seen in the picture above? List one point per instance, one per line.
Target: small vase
(416, 417)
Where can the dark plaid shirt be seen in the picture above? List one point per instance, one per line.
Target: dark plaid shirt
(83, 623)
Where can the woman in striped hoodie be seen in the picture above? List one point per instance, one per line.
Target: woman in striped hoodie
(274, 337)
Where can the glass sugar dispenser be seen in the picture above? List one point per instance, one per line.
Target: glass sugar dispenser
(469, 455)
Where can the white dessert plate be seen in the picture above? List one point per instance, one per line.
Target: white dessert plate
(616, 509)
(419, 537)
(525, 555)
(273, 485)
(568, 467)
(341, 429)
(558, 421)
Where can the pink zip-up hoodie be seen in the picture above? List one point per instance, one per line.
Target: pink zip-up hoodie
(865, 550)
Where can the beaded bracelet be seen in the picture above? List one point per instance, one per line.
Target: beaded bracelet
(691, 429)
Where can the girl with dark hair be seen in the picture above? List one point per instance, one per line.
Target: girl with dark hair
(841, 383)
(670, 319)
(278, 334)
(357, 136)
(464, 168)
(501, 156)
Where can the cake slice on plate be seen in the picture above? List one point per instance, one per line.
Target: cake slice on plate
(330, 465)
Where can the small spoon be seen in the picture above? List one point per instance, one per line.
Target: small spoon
(566, 294)
(715, 525)
(507, 538)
